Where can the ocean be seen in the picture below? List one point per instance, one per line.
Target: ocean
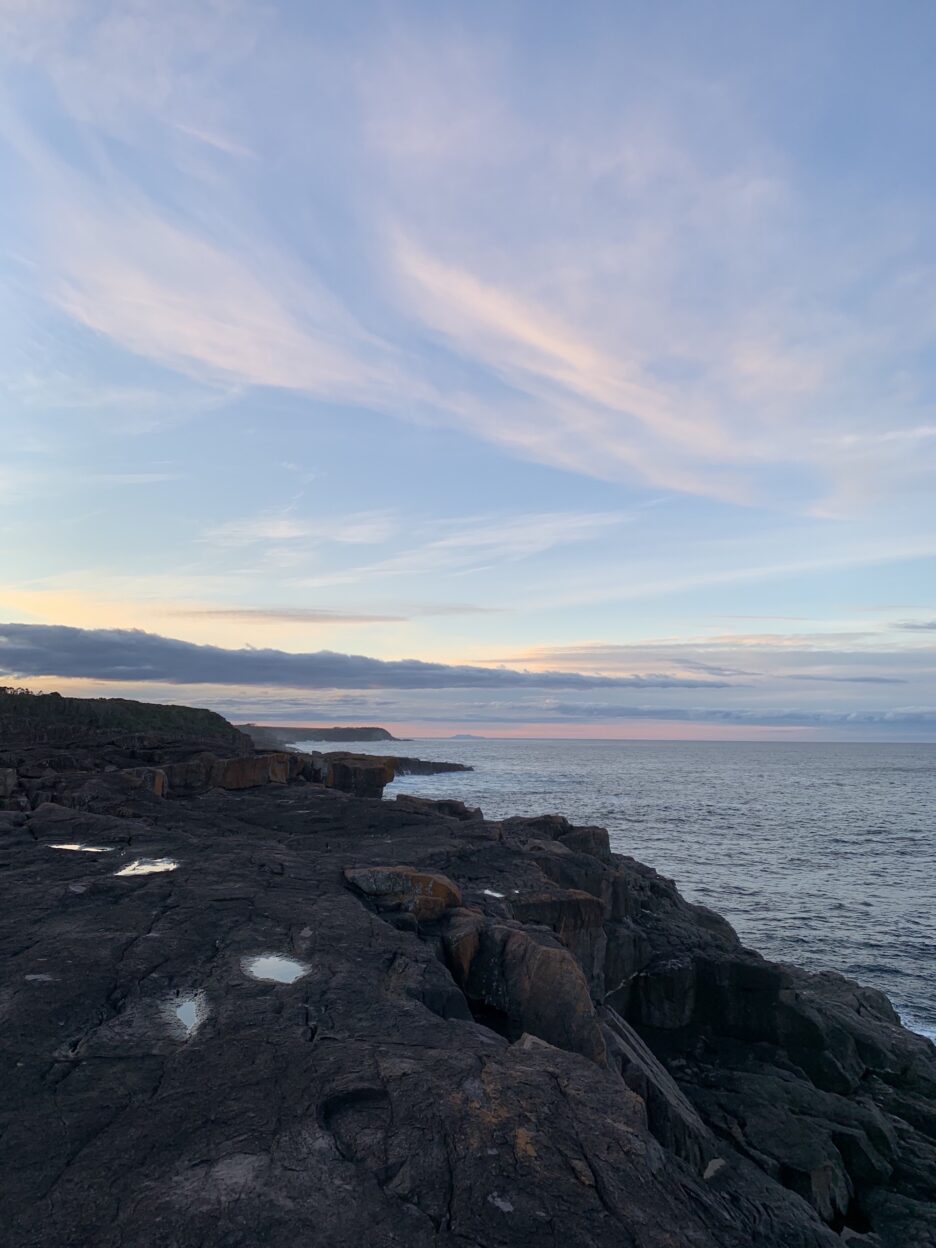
(822, 855)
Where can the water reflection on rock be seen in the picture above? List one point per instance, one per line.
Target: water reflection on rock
(191, 1012)
(147, 866)
(85, 849)
(274, 967)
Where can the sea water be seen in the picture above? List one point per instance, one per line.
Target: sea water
(823, 855)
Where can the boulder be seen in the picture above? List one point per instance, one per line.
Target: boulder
(424, 894)
(249, 772)
(364, 777)
(577, 918)
(519, 983)
(586, 840)
(190, 775)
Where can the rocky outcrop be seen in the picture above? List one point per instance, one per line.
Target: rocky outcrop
(206, 771)
(520, 981)
(41, 777)
(360, 775)
(49, 745)
(489, 1034)
(446, 808)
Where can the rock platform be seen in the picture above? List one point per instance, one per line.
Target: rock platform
(495, 1034)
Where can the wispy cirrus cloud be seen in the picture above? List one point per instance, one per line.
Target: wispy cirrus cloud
(324, 615)
(285, 615)
(359, 529)
(585, 408)
(637, 327)
(467, 544)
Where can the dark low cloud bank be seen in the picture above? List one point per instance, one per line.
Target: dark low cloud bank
(29, 650)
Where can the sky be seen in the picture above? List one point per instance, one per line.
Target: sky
(518, 368)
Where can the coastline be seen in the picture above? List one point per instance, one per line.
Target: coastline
(825, 861)
(486, 1027)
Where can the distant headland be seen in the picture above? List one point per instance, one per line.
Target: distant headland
(284, 734)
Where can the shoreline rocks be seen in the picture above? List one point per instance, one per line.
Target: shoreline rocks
(495, 1034)
(174, 770)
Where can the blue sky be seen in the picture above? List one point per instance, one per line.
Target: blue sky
(529, 338)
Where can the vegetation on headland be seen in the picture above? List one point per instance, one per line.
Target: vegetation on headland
(40, 717)
(270, 736)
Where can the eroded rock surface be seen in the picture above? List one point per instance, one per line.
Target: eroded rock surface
(502, 1034)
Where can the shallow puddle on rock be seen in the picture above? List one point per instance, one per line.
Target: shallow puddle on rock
(489, 892)
(190, 1012)
(85, 849)
(187, 1014)
(147, 866)
(274, 967)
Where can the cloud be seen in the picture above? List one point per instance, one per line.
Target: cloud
(324, 615)
(859, 670)
(913, 626)
(585, 409)
(361, 528)
(165, 293)
(870, 551)
(851, 680)
(873, 440)
(469, 543)
(905, 717)
(286, 615)
(130, 478)
(610, 655)
(132, 655)
(587, 288)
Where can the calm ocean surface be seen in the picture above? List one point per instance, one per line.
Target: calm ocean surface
(822, 855)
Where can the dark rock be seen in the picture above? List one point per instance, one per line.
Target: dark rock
(424, 894)
(578, 920)
(362, 776)
(448, 807)
(594, 841)
(591, 1060)
(670, 1115)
